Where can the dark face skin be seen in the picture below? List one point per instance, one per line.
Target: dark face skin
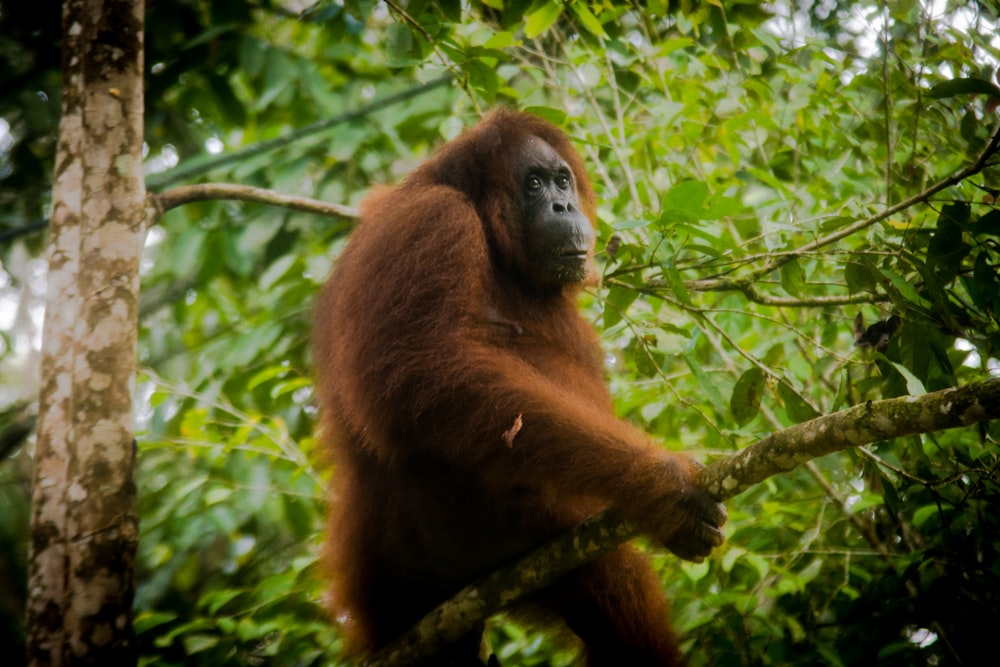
(558, 235)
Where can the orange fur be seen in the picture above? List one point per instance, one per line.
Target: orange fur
(431, 342)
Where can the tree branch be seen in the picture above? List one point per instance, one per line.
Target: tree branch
(159, 204)
(750, 291)
(779, 452)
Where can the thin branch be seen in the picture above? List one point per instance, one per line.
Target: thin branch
(454, 70)
(415, 24)
(187, 194)
(17, 422)
(750, 291)
(865, 528)
(780, 452)
(739, 284)
(9, 235)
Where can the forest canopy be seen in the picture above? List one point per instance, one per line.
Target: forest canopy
(797, 215)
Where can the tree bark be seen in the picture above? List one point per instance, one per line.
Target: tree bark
(84, 526)
(780, 452)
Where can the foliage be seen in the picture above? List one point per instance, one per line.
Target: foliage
(222, 523)
(730, 148)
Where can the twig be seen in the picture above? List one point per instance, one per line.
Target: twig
(187, 194)
(751, 292)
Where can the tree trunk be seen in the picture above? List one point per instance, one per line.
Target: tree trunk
(84, 526)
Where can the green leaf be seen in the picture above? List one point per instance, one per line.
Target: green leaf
(688, 197)
(914, 387)
(988, 224)
(277, 269)
(906, 290)
(706, 383)
(266, 375)
(732, 555)
(625, 224)
(695, 571)
(398, 42)
(251, 345)
(196, 643)
(835, 223)
(858, 278)
(587, 19)
(745, 401)
(673, 277)
(969, 125)
(721, 207)
(299, 518)
(279, 74)
(946, 248)
(483, 78)
(360, 9)
(797, 408)
(889, 493)
(256, 234)
(542, 19)
(186, 253)
(217, 495)
(867, 500)
(921, 516)
(984, 287)
(617, 302)
(793, 277)
(290, 386)
(842, 388)
(554, 116)
(966, 86)
(795, 629)
(452, 9)
(642, 352)
(501, 40)
(252, 55)
(213, 601)
(151, 619)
